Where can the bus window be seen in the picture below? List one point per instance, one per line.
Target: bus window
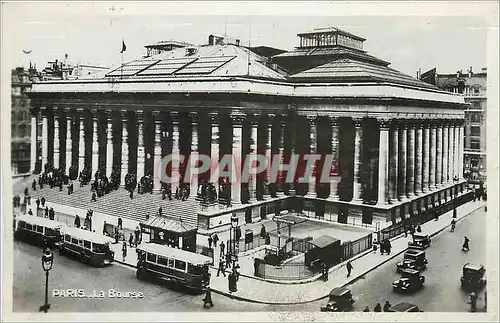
(29, 226)
(86, 244)
(67, 237)
(151, 257)
(181, 265)
(50, 232)
(80, 242)
(171, 262)
(22, 224)
(74, 240)
(96, 247)
(39, 229)
(195, 270)
(162, 261)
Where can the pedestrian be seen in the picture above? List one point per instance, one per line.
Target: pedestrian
(349, 267)
(42, 200)
(377, 308)
(208, 298)
(228, 260)
(124, 250)
(30, 212)
(465, 246)
(94, 197)
(268, 239)
(366, 309)
(26, 191)
(387, 305)
(232, 282)
(137, 235)
(77, 221)
(33, 185)
(419, 228)
(29, 199)
(436, 215)
(216, 239)
(222, 247)
(46, 211)
(131, 240)
(382, 247)
(131, 194)
(221, 268)
(120, 223)
(453, 224)
(52, 214)
(160, 211)
(37, 203)
(117, 235)
(406, 230)
(147, 216)
(104, 228)
(263, 232)
(388, 246)
(210, 242)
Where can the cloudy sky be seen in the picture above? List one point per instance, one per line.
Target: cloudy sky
(91, 33)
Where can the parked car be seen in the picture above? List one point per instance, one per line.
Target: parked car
(420, 241)
(339, 300)
(404, 307)
(410, 281)
(413, 259)
(473, 277)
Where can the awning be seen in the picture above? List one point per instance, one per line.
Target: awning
(169, 224)
(323, 241)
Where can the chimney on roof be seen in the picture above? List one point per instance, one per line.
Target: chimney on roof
(470, 71)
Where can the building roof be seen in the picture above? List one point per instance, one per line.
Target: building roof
(350, 70)
(330, 30)
(323, 241)
(203, 61)
(169, 224)
(179, 254)
(170, 42)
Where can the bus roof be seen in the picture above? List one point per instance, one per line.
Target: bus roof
(87, 235)
(169, 252)
(52, 224)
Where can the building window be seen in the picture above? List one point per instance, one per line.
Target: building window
(474, 144)
(475, 118)
(475, 131)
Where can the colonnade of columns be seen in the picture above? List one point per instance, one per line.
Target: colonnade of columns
(415, 156)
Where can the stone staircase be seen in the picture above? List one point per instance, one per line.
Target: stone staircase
(118, 203)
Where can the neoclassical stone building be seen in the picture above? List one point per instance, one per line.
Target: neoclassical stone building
(398, 141)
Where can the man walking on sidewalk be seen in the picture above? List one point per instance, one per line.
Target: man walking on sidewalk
(216, 239)
(221, 268)
(349, 267)
(124, 250)
(222, 247)
(210, 242)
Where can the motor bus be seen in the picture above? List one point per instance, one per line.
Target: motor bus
(181, 267)
(91, 248)
(39, 231)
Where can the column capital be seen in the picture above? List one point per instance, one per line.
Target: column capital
(174, 116)
(312, 119)
(253, 118)
(214, 117)
(139, 114)
(237, 118)
(384, 123)
(195, 117)
(419, 124)
(124, 115)
(270, 118)
(334, 121)
(357, 121)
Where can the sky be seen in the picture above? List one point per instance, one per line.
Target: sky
(91, 33)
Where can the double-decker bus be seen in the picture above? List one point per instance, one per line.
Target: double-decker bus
(90, 247)
(184, 268)
(42, 232)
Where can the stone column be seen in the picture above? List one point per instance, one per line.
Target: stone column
(461, 150)
(45, 140)
(451, 142)
(33, 145)
(95, 145)
(193, 178)
(81, 142)
(140, 146)
(456, 148)
(109, 144)
(335, 151)
(358, 161)
(425, 157)
(124, 166)
(433, 156)
(313, 142)
(439, 154)
(281, 148)
(268, 153)
(446, 153)
(157, 152)
(214, 150)
(252, 184)
(418, 157)
(56, 139)
(393, 162)
(410, 161)
(69, 143)
(237, 122)
(174, 116)
(383, 161)
(402, 160)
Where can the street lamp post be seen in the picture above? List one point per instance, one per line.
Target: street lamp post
(47, 261)
(455, 193)
(234, 225)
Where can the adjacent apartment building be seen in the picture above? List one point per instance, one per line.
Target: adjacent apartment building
(472, 84)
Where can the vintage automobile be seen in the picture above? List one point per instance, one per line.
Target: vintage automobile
(473, 277)
(410, 281)
(404, 307)
(420, 241)
(413, 259)
(339, 300)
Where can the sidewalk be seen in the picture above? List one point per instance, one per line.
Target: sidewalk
(256, 290)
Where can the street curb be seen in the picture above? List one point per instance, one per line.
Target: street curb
(350, 282)
(125, 264)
